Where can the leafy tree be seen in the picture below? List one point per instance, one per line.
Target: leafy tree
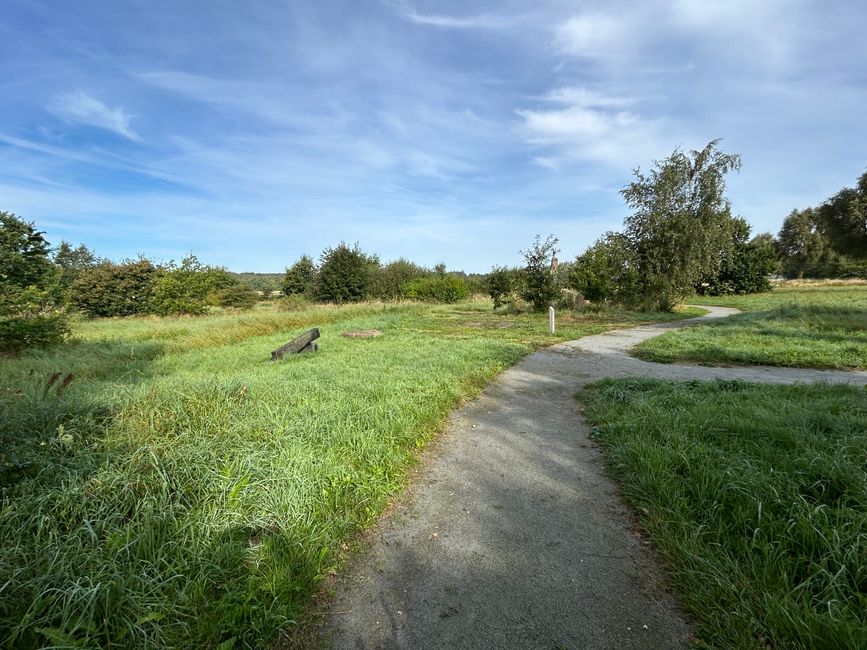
(108, 289)
(24, 258)
(300, 278)
(843, 219)
(745, 267)
(389, 282)
(440, 269)
(801, 245)
(541, 288)
(605, 271)
(189, 288)
(503, 284)
(345, 274)
(72, 261)
(681, 225)
(29, 312)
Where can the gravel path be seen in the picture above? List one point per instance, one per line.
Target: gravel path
(513, 536)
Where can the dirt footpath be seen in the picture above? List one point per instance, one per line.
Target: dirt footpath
(514, 536)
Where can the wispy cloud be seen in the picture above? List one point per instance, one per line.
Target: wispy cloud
(81, 108)
(483, 21)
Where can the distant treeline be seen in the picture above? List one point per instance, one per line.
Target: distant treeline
(680, 239)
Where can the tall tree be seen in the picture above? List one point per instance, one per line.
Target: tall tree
(843, 218)
(801, 244)
(300, 278)
(681, 225)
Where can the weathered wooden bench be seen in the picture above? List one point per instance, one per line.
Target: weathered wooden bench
(303, 343)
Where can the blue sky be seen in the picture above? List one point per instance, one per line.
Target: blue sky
(253, 132)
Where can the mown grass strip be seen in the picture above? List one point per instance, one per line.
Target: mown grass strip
(756, 497)
(183, 492)
(813, 327)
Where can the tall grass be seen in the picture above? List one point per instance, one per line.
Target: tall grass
(180, 491)
(756, 496)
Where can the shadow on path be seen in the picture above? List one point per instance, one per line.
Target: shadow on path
(514, 536)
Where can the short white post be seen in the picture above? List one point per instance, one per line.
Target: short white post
(551, 319)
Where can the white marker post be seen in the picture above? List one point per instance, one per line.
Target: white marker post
(551, 319)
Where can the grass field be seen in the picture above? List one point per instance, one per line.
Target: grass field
(755, 496)
(817, 325)
(163, 485)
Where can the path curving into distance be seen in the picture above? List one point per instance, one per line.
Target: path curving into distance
(513, 535)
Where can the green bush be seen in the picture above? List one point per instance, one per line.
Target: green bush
(389, 281)
(29, 289)
(30, 318)
(238, 296)
(605, 272)
(108, 289)
(189, 288)
(503, 285)
(746, 269)
(446, 289)
(345, 274)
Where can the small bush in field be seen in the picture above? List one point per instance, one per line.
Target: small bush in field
(389, 281)
(189, 288)
(238, 296)
(503, 285)
(446, 289)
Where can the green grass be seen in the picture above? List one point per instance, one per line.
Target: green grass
(163, 485)
(755, 496)
(812, 326)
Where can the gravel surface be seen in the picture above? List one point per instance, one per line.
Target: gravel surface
(514, 536)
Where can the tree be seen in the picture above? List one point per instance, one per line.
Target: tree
(605, 271)
(189, 288)
(843, 219)
(745, 267)
(389, 282)
(541, 288)
(345, 274)
(801, 245)
(72, 261)
(503, 284)
(29, 292)
(24, 258)
(681, 225)
(108, 289)
(300, 278)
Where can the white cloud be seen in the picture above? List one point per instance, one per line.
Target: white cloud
(589, 126)
(586, 97)
(596, 34)
(82, 108)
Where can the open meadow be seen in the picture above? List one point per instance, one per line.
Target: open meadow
(164, 485)
(800, 324)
